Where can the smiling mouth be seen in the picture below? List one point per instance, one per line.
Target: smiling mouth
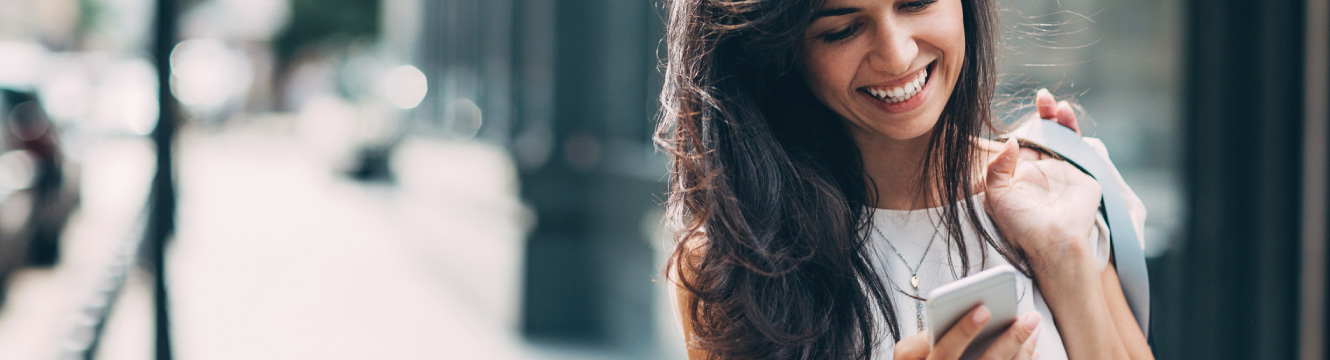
(901, 93)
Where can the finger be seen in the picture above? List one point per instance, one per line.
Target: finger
(912, 347)
(1009, 344)
(1044, 102)
(954, 342)
(1067, 117)
(1028, 349)
(1003, 166)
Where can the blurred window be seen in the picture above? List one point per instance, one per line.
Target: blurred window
(1119, 60)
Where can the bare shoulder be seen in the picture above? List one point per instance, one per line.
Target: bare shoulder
(687, 254)
(682, 267)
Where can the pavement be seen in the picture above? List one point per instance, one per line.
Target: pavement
(277, 256)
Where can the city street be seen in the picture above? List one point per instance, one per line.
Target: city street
(279, 257)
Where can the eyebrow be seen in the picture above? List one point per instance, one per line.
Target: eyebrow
(834, 12)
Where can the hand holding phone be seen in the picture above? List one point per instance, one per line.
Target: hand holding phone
(994, 288)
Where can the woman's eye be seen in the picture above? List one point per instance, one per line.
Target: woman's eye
(917, 5)
(844, 33)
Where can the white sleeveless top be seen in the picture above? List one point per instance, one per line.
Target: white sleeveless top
(910, 232)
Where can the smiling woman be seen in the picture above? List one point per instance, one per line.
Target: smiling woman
(816, 143)
(924, 45)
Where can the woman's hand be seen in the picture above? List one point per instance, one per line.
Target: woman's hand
(1061, 112)
(1048, 108)
(1017, 342)
(1043, 205)
(1051, 109)
(1093, 316)
(1047, 207)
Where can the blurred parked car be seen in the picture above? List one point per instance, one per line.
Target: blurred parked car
(38, 186)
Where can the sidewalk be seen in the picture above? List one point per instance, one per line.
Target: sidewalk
(277, 257)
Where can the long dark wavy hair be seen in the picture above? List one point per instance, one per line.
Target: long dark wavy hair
(769, 194)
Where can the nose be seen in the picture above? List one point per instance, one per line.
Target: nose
(893, 49)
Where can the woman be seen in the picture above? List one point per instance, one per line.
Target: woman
(821, 149)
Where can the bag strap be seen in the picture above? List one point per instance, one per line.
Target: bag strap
(1127, 254)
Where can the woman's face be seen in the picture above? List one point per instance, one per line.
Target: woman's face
(886, 66)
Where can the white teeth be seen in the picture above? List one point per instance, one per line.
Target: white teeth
(899, 94)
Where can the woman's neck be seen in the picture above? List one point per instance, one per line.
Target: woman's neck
(895, 166)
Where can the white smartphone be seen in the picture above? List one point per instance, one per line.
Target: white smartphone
(994, 288)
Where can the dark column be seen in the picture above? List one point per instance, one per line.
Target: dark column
(161, 215)
(1230, 290)
(589, 265)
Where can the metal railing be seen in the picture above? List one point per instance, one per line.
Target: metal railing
(154, 225)
(90, 318)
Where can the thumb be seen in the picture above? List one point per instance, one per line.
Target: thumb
(913, 347)
(1003, 166)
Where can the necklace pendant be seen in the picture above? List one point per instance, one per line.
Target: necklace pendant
(919, 315)
(914, 281)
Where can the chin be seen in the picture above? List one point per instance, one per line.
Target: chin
(907, 129)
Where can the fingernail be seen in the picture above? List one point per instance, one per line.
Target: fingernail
(1031, 321)
(980, 315)
(1043, 91)
(1035, 356)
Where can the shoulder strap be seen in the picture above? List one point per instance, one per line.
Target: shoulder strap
(1128, 257)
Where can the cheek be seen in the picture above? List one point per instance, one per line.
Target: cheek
(953, 39)
(828, 72)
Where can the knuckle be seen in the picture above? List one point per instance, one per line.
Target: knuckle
(946, 351)
(1027, 350)
(961, 333)
(972, 328)
(1018, 332)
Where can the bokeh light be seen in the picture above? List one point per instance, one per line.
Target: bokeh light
(205, 73)
(405, 86)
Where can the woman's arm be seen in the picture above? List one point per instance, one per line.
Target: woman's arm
(1129, 332)
(681, 271)
(1088, 319)
(681, 298)
(1129, 335)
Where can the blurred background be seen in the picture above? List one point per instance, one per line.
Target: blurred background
(459, 179)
